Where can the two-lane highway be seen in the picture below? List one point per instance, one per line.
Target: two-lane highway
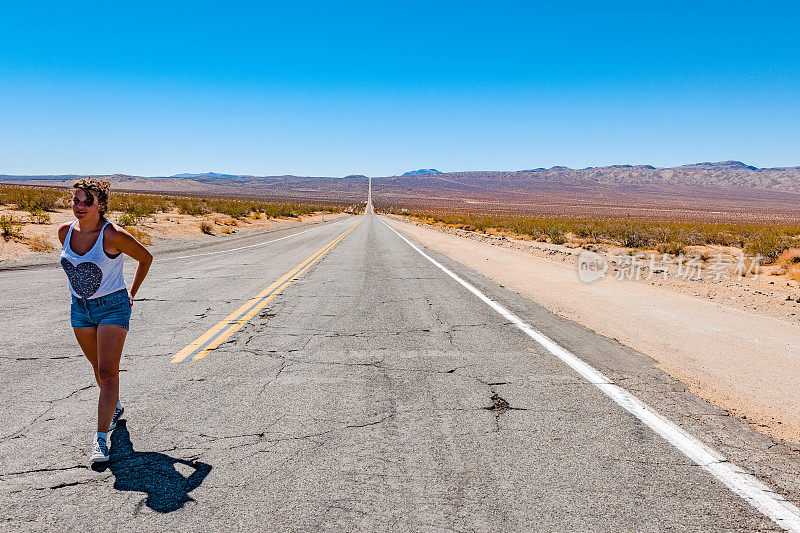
(373, 391)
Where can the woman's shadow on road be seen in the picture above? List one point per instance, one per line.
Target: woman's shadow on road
(152, 473)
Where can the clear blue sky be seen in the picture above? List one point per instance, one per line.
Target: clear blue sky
(334, 88)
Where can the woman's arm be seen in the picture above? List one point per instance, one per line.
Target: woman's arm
(127, 244)
(62, 232)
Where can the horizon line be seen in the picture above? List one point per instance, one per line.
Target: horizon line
(190, 175)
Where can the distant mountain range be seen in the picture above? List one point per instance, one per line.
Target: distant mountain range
(422, 172)
(719, 175)
(725, 189)
(723, 174)
(210, 175)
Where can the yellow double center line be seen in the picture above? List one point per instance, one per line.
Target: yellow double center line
(234, 321)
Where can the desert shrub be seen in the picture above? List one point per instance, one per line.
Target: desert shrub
(726, 239)
(769, 245)
(219, 221)
(700, 234)
(660, 234)
(39, 217)
(234, 208)
(556, 237)
(191, 206)
(138, 206)
(207, 227)
(477, 224)
(41, 244)
(554, 229)
(667, 236)
(32, 198)
(162, 203)
(65, 202)
(283, 210)
(631, 237)
(129, 219)
(590, 230)
(9, 227)
(671, 247)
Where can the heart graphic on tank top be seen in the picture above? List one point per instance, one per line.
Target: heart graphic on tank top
(84, 278)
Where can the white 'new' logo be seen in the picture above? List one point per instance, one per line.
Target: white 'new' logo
(591, 266)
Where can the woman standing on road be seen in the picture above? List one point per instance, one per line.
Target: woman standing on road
(91, 255)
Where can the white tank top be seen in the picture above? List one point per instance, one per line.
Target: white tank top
(95, 273)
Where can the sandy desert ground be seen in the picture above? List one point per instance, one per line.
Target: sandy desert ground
(733, 341)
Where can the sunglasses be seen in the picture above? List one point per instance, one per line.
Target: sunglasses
(85, 203)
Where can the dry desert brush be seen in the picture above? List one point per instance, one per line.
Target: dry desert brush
(9, 227)
(665, 236)
(31, 198)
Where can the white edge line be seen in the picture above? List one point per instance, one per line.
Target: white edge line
(250, 245)
(738, 480)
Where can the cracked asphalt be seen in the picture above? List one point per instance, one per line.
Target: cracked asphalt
(373, 393)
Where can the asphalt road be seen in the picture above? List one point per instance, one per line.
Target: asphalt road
(372, 392)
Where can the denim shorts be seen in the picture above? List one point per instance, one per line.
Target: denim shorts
(114, 308)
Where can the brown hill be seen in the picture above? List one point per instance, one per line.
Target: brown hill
(725, 174)
(727, 190)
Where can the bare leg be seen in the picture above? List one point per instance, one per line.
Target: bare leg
(110, 340)
(87, 339)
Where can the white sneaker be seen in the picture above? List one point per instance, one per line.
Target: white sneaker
(99, 451)
(117, 413)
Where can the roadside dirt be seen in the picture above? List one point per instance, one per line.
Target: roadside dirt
(734, 342)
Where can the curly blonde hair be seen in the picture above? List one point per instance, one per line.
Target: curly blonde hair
(98, 189)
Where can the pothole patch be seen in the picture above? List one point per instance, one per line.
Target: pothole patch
(499, 405)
